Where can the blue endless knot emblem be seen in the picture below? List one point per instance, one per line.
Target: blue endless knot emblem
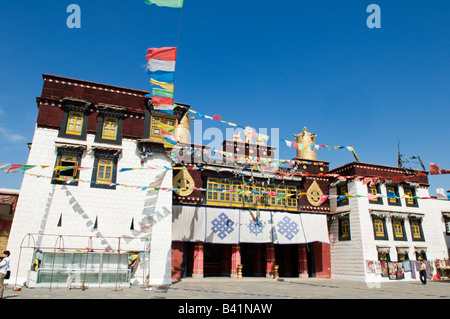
(222, 226)
(287, 227)
(255, 228)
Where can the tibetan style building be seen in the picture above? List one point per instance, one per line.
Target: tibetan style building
(108, 204)
(232, 214)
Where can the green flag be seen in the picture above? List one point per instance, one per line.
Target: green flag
(166, 3)
(162, 93)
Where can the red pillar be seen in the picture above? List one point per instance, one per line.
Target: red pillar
(198, 261)
(302, 261)
(235, 259)
(270, 260)
(177, 259)
(322, 260)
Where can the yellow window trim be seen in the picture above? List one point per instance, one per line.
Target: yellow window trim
(105, 164)
(74, 119)
(70, 159)
(164, 120)
(251, 200)
(110, 125)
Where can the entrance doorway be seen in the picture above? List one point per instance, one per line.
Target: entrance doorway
(217, 260)
(253, 259)
(286, 257)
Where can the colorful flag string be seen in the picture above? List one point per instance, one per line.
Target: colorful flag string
(239, 191)
(289, 144)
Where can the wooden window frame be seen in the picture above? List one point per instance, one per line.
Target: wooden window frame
(447, 225)
(416, 229)
(214, 195)
(102, 182)
(339, 189)
(344, 228)
(75, 115)
(374, 190)
(67, 156)
(398, 223)
(105, 118)
(377, 223)
(393, 201)
(410, 202)
(153, 124)
(69, 113)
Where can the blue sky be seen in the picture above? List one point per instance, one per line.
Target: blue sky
(267, 64)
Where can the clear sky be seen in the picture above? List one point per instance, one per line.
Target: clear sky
(268, 64)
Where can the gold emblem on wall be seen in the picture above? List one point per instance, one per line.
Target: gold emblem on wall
(314, 192)
(184, 181)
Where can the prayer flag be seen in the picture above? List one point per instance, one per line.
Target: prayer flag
(169, 138)
(157, 100)
(168, 128)
(166, 3)
(160, 65)
(434, 169)
(441, 194)
(162, 76)
(162, 93)
(167, 86)
(165, 54)
(13, 166)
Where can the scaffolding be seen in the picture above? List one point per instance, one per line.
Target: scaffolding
(29, 242)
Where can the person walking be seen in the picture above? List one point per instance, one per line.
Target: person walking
(4, 266)
(423, 272)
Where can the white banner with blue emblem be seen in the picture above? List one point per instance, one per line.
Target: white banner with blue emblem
(288, 228)
(222, 226)
(255, 226)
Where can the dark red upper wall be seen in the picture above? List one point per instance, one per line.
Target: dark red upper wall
(375, 170)
(56, 88)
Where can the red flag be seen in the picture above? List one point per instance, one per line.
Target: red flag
(165, 54)
(434, 169)
(162, 100)
(217, 117)
(13, 166)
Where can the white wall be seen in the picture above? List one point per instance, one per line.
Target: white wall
(41, 204)
(348, 257)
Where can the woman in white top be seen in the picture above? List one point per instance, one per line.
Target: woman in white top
(4, 266)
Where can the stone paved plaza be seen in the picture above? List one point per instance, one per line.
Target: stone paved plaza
(249, 288)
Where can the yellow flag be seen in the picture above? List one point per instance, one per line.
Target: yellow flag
(167, 86)
(165, 126)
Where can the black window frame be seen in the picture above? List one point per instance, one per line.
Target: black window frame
(419, 221)
(395, 191)
(344, 201)
(99, 134)
(447, 225)
(380, 253)
(402, 225)
(346, 219)
(63, 128)
(108, 156)
(78, 153)
(378, 200)
(413, 192)
(385, 233)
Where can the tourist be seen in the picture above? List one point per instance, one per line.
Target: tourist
(4, 266)
(423, 272)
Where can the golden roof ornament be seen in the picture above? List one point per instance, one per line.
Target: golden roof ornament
(307, 139)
